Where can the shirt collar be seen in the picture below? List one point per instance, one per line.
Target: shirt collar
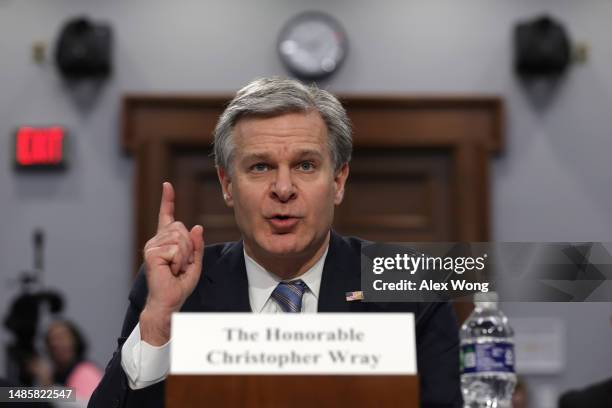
(262, 283)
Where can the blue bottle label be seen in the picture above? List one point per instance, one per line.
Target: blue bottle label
(487, 357)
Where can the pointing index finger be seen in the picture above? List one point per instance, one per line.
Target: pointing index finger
(166, 208)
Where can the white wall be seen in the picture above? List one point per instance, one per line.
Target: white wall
(551, 183)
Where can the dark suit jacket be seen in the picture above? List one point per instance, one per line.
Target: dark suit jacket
(223, 287)
(595, 396)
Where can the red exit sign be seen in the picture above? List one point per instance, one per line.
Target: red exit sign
(40, 146)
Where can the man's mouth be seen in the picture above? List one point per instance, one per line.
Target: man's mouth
(283, 223)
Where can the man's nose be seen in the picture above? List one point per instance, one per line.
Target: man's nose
(282, 187)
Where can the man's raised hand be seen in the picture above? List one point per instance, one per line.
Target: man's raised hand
(173, 263)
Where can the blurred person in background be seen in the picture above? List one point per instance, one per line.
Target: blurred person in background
(520, 397)
(67, 349)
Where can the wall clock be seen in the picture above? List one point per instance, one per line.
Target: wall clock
(312, 45)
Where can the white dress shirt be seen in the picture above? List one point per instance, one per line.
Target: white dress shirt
(146, 365)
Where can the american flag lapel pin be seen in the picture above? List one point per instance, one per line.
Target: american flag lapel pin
(353, 296)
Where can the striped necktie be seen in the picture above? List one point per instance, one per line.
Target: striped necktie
(288, 295)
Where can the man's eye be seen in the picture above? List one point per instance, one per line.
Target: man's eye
(259, 167)
(306, 166)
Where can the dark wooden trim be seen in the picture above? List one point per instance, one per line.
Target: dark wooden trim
(152, 161)
(493, 121)
(280, 391)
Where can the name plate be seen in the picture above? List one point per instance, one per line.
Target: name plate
(304, 343)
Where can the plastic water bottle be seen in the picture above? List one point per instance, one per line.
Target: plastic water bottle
(487, 356)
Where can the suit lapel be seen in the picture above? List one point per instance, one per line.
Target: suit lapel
(225, 287)
(341, 274)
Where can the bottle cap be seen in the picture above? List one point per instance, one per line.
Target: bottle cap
(486, 297)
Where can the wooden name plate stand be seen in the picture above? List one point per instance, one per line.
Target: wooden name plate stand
(312, 391)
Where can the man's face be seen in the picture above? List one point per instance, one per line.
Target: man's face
(60, 343)
(282, 186)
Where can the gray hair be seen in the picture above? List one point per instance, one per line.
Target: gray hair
(268, 97)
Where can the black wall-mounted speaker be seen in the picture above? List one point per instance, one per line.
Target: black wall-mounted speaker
(84, 49)
(541, 47)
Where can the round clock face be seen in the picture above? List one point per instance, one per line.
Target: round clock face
(312, 45)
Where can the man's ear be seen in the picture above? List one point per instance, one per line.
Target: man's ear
(339, 183)
(226, 186)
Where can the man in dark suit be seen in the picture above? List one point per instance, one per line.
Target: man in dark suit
(282, 151)
(594, 396)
